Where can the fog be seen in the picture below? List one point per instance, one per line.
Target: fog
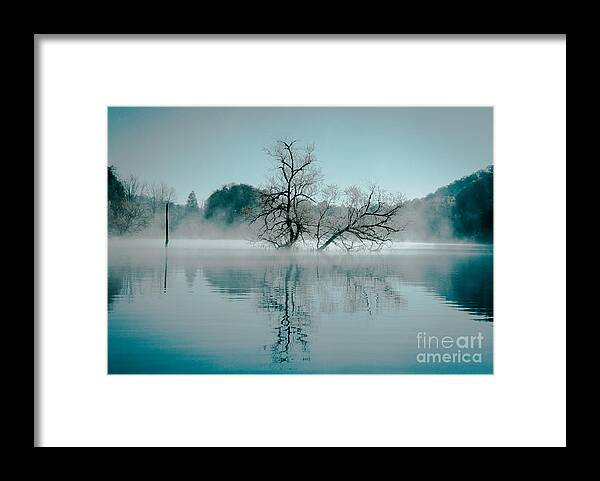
(200, 232)
(461, 212)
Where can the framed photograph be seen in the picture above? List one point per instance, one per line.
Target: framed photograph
(362, 238)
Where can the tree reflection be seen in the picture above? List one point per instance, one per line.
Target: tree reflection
(294, 294)
(128, 281)
(282, 295)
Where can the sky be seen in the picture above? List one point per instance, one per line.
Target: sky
(408, 150)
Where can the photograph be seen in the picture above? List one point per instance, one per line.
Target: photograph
(300, 240)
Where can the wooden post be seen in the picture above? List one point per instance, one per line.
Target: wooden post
(167, 224)
(165, 276)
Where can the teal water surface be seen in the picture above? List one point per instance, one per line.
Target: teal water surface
(216, 307)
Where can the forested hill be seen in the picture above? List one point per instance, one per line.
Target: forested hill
(461, 210)
(227, 204)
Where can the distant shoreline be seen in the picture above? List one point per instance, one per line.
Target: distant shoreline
(236, 244)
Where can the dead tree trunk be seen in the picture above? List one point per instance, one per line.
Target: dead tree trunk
(283, 213)
(166, 224)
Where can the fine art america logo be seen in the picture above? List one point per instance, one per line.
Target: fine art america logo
(449, 349)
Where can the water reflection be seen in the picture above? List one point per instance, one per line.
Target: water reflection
(351, 285)
(129, 281)
(166, 270)
(357, 313)
(280, 296)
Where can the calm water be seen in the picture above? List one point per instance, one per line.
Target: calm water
(216, 307)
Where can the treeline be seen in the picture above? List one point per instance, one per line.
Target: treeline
(136, 208)
(462, 210)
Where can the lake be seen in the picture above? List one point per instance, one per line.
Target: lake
(217, 307)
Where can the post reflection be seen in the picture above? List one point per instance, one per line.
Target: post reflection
(165, 274)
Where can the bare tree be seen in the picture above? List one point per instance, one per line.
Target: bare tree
(365, 219)
(290, 208)
(168, 194)
(131, 216)
(133, 188)
(284, 212)
(159, 195)
(326, 209)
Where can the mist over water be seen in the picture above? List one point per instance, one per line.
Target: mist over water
(227, 306)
